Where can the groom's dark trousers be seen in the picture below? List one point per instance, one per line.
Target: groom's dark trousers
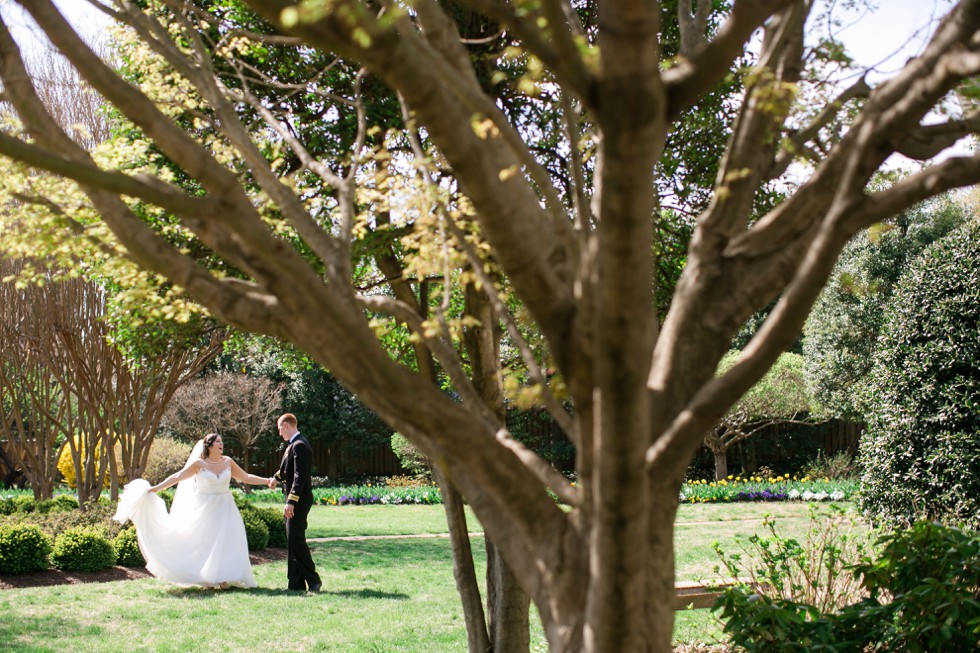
(294, 474)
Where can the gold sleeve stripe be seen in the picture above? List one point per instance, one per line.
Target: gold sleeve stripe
(293, 497)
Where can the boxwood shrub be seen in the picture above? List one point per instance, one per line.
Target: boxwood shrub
(127, 549)
(83, 549)
(921, 453)
(24, 503)
(23, 548)
(273, 520)
(256, 532)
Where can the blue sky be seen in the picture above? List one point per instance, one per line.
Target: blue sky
(891, 34)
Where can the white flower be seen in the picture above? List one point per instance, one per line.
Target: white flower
(794, 494)
(808, 496)
(821, 496)
(837, 496)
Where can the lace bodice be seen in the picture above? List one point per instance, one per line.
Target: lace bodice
(210, 483)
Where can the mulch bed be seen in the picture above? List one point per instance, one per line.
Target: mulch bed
(58, 577)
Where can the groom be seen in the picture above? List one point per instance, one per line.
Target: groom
(294, 474)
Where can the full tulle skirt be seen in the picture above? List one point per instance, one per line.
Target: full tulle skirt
(201, 542)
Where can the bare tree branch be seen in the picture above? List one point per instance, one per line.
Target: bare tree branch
(705, 67)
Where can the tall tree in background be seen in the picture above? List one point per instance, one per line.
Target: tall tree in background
(36, 412)
(240, 407)
(780, 397)
(582, 263)
(64, 383)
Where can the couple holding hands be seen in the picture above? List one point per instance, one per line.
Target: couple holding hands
(201, 541)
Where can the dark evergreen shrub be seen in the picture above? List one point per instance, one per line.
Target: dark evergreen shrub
(127, 549)
(23, 548)
(921, 453)
(83, 549)
(256, 532)
(274, 522)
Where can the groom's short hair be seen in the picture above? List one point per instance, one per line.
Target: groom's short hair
(287, 418)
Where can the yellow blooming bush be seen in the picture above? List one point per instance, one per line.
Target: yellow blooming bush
(67, 468)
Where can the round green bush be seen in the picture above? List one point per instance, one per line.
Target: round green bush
(273, 521)
(83, 549)
(127, 549)
(7, 506)
(66, 502)
(23, 548)
(60, 503)
(256, 532)
(921, 453)
(25, 503)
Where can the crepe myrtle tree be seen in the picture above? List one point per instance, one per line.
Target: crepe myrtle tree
(780, 397)
(643, 392)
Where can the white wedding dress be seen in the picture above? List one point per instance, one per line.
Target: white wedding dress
(200, 542)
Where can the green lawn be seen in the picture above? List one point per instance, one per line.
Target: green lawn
(379, 595)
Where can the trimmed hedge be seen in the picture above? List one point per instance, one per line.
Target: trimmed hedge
(256, 532)
(921, 453)
(274, 522)
(127, 549)
(83, 549)
(23, 548)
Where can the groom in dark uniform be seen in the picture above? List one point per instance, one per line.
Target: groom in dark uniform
(294, 474)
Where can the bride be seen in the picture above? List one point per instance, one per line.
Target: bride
(201, 541)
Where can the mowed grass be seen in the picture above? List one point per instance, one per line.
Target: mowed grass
(380, 595)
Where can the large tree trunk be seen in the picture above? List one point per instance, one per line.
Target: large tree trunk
(644, 394)
(720, 454)
(507, 602)
(507, 606)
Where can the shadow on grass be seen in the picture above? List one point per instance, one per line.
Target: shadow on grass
(369, 594)
(20, 634)
(213, 592)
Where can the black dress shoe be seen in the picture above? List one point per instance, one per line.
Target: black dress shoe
(315, 588)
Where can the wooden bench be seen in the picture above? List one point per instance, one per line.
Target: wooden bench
(694, 595)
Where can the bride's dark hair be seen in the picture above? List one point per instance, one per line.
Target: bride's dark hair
(208, 443)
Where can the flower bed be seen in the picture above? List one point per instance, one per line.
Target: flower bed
(363, 495)
(733, 489)
(779, 488)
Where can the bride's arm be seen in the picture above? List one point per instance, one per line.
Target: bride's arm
(242, 476)
(177, 477)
